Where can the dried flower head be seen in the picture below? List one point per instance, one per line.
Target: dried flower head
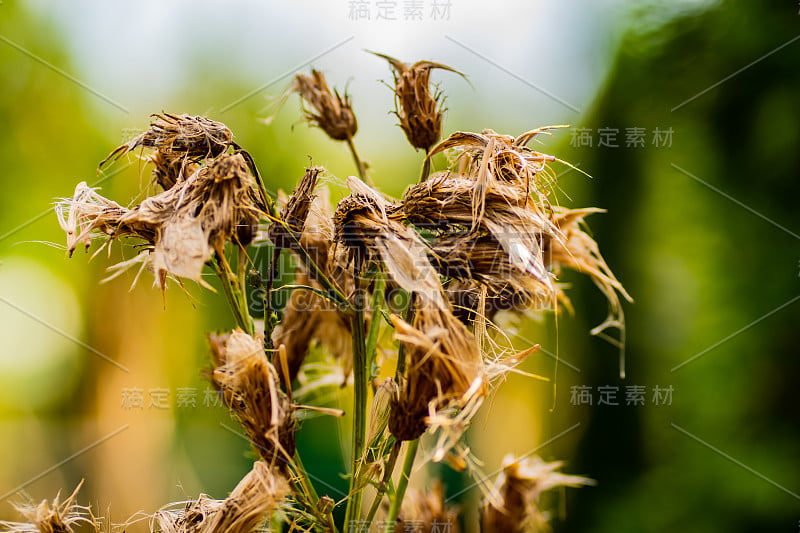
(520, 485)
(250, 389)
(245, 510)
(426, 511)
(329, 111)
(286, 233)
(418, 107)
(53, 517)
(181, 226)
(363, 217)
(442, 361)
(180, 136)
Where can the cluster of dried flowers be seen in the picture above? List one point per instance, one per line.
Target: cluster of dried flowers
(479, 237)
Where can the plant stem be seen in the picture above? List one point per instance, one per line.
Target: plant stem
(408, 314)
(426, 167)
(402, 485)
(268, 310)
(362, 168)
(387, 477)
(233, 294)
(353, 511)
(375, 323)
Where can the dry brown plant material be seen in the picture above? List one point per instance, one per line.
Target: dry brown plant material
(250, 388)
(426, 511)
(418, 107)
(53, 517)
(326, 109)
(520, 485)
(443, 362)
(179, 136)
(181, 226)
(245, 510)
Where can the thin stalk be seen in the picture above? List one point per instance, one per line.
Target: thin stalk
(402, 485)
(234, 296)
(353, 511)
(316, 273)
(426, 167)
(375, 323)
(268, 310)
(408, 314)
(384, 484)
(362, 168)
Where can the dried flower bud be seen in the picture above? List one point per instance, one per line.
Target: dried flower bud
(250, 389)
(295, 212)
(329, 111)
(53, 517)
(520, 486)
(442, 362)
(418, 107)
(179, 136)
(427, 512)
(244, 511)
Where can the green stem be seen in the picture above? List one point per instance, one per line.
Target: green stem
(402, 485)
(384, 484)
(236, 300)
(408, 314)
(375, 323)
(362, 168)
(269, 317)
(353, 511)
(426, 167)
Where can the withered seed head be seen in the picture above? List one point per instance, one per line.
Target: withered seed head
(329, 111)
(195, 138)
(250, 389)
(427, 510)
(260, 492)
(520, 486)
(296, 211)
(418, 107)
(443, 362)
(53, 517)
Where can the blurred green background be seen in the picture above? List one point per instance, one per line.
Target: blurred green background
(685, 114)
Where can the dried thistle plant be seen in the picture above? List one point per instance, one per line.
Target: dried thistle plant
(250, 389)
(329, 111)
(418, 106)
(53, 517)
(484, 235)
(259, 493)
(521, 484)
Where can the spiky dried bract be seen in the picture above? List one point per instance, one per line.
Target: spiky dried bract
(418, 106)
(577, 250)
(52, 517)
(250, 389)
(245, 510)
(520, 486)
(426, 511)
(180, 136)
(443, 363)
(329, 111)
